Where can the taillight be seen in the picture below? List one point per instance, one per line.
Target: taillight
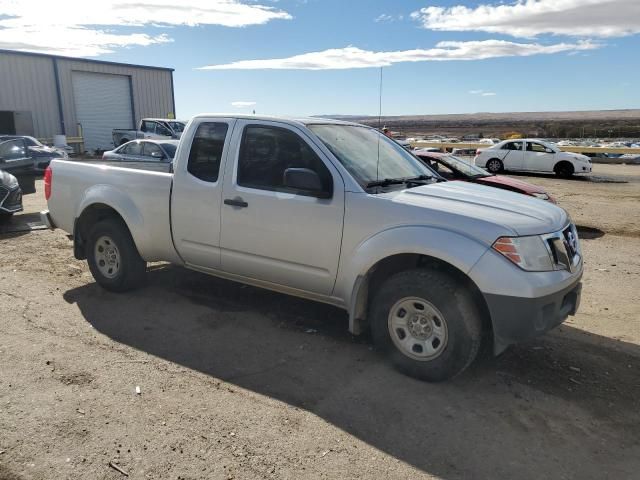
(48, 180)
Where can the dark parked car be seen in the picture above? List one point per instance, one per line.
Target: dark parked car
(146, 154)
(39, 154)
(454, 168)
(10, 195)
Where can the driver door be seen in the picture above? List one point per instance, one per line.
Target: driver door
(270, 233)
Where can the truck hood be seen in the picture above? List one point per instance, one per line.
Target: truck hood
(483, 211)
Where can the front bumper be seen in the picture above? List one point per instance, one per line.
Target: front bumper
(517, 319)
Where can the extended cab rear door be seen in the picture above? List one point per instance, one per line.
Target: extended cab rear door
(197, 191)
(270, 233)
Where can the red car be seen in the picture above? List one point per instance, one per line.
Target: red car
(454, 168)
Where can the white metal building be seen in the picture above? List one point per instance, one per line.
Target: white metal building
(46, 95)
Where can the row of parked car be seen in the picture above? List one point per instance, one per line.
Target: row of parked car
(21, 159)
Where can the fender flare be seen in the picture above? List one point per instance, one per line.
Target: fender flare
(451, 247)
(119, 201)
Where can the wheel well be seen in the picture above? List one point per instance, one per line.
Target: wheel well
(88, 218)
(389, 266)
(564, 163)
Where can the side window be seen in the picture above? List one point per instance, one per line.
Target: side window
(206, 151)
(266, 152)
(148, 127)
(152, 151)
(133, 148)
(536, 147)
(13, 150)
(512, 146)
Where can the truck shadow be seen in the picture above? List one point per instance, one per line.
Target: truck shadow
(567, 405)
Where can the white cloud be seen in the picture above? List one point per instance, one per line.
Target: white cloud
(482, 93)
(529, 18)
(386, 18)
(243, 104)
(353, 57)
(86, 28)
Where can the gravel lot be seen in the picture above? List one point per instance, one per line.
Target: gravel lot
(241, 383)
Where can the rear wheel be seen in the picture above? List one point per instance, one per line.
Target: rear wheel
(495, 165)
(113, 258)
(563, 170)
(427, 323)
(123, 141)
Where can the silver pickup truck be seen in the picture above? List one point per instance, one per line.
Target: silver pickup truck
(335, 212)
(150, 128)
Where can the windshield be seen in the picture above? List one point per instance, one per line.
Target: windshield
(463, 167)
(170, 148)
(177, 127)
(359, 148)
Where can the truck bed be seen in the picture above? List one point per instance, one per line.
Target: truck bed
(164, 167)
(140, 196)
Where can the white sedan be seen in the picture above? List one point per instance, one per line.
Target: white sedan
(530, 155)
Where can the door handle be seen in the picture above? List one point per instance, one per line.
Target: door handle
(236, 202)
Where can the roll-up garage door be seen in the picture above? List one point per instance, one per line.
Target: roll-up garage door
(103, 102)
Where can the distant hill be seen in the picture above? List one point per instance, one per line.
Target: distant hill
(594, 123)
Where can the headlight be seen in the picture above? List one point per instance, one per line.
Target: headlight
(13, 182)
(541, 196)
(529, 253)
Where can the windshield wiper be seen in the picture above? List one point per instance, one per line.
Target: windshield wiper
(419, 180)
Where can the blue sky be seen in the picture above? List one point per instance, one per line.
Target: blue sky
(581, 57)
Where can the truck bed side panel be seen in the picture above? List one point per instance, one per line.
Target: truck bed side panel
(141, 197)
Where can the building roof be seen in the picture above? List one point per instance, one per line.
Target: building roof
(79, 59)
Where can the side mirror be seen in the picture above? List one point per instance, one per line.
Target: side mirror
(305, 181)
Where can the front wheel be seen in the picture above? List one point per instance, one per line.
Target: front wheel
(564, 170)
(427, 323)
(113, 258)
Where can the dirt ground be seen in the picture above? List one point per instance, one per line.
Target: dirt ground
(241, 383)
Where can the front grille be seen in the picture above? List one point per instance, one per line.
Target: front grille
(564, 246)
(10, 200)
(571, 241)
(14, 199)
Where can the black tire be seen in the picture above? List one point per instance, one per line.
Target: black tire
(564, 170)
(123, 141)
(461, 316)
(131, 268)
(495, 165)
